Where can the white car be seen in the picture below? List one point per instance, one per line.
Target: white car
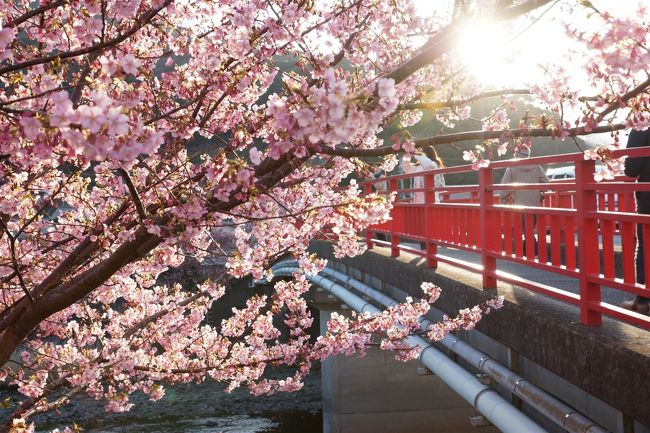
(568, 172)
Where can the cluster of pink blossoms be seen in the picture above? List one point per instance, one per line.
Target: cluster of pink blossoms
(103, 188)
(136, 135)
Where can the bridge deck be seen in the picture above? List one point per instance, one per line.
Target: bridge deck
(609, 294)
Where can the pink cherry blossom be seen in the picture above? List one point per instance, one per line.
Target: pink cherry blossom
(91, 118)
(256, 156)
(386, 88)
(125, 8)
(7, 35)
(117, 122)
(136, 135)
(409, 147)
(31, 126)
(130, 64)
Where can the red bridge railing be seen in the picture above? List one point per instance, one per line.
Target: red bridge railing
(584, 230)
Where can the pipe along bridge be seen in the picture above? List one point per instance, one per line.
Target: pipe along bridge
(528, 367)
(560, 356)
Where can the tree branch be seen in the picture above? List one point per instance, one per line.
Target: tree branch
(442, 42)
(455, 103)
(21, 318)
(198, 99)
(142, 212)
(27, 405)
(21, 19)
(141, 22)
(465, 136)
(12, 248)
(152, 318)
(629, 95)
(81, 83)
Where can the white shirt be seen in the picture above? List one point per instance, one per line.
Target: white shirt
(418, 181)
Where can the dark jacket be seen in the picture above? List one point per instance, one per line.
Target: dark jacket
(639, 167)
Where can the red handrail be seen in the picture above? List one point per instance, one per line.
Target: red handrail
(580, 217)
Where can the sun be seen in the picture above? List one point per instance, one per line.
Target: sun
(517, 54)
(505, 54)
(482, 48)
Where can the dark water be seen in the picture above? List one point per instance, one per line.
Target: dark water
(274, 422)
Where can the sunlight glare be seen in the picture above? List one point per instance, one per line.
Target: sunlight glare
(427, 8)
(511, 54)
(482, 48)
(500, 55)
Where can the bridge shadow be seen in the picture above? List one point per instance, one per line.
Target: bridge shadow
(608, 294)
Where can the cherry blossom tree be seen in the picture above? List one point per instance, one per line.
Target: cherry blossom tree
(100, 102)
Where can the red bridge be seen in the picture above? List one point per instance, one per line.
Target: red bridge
(586, 231)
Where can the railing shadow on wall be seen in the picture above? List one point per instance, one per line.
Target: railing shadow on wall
(583, 229)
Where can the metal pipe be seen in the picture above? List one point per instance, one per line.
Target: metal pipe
(486, 400)
(560, 413)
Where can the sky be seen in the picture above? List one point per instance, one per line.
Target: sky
(509, 56)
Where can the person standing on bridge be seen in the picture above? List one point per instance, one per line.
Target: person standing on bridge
(639, 168)
(523, 174)
(427, 160)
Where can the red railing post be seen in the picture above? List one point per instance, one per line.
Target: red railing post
(588, 258)
(396, 222)
(367, 189)
(431, 248)
(486, 222)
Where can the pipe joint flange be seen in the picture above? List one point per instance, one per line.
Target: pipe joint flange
(514, 388)
(478, 395)
(424, 350)
(481, 363)
(566, 418)
(590, 426)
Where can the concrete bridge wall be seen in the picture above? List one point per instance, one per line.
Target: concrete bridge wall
(602, 372)
(377, 394)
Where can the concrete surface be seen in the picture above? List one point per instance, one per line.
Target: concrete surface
(377, 394)
(609, 363)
